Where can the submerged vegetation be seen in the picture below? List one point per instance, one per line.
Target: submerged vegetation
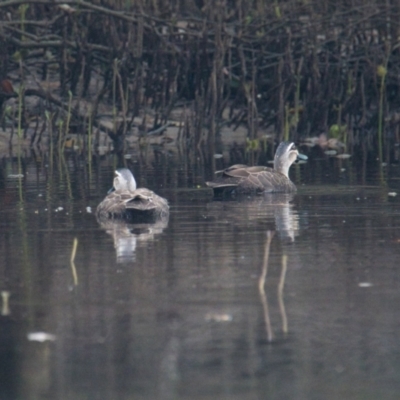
(295, 68)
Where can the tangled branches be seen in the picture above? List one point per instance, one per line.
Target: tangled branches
(304, 68)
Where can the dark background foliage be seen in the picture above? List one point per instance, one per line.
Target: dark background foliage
(301, 67)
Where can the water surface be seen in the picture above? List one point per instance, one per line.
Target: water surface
(278, 297)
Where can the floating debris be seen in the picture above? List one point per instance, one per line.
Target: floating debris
(365, 284)
(59, 209)
(323, 141)
(392, 194)
(218, 156)
(41, 337)
(344, 155)
(5, 309)
(15, 176)
(89, 210)
(330, 152)
(215, 317)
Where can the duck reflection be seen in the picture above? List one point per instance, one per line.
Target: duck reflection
(128, 236)
(271, 208)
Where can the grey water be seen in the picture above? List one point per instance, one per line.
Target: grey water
(278, 297)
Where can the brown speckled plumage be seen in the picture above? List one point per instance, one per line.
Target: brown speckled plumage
(131, 204)
(243, 179)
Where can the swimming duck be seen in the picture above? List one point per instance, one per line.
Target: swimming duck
(125, 201)
(244, 179)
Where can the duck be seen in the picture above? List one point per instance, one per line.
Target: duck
(126, 202)
(242, 179)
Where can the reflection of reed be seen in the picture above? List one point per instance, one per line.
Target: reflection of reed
(5, 309)
(263, 295)
(73, 268)
(261, 284)
(280, 294)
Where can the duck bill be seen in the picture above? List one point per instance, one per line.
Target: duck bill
(302, 157)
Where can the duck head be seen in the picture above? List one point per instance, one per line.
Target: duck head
(124, 181)
(286, 154)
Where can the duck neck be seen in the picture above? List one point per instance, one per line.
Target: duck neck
(132, 185)
(279, 166)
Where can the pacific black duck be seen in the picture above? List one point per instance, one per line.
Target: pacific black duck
(244, 179)
(126, 201)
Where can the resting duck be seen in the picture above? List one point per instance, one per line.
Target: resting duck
(244, 179)
(125, 201)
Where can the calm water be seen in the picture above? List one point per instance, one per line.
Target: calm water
(278, 297)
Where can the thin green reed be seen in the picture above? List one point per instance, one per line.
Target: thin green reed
(68, 118)
(89, 144)
(60, 124)
(296, 118)
(114, 95)
(381, 72)
(286, 127)
(62, 140)
(22, 9)
(67, 177)
(19, 133)
(49, 118)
